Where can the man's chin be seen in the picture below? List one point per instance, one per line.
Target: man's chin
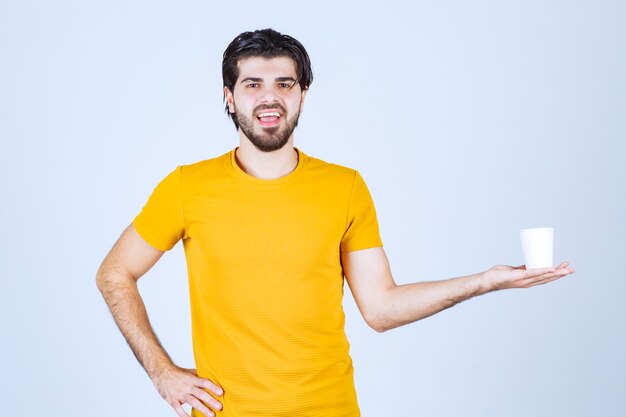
(268, 145)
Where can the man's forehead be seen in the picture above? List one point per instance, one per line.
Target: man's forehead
(258, 66)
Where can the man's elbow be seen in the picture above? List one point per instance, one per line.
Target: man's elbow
(107, 275)
(100, 278)
(103, 279)
(379, 315)
(378, 328)
(379, 323)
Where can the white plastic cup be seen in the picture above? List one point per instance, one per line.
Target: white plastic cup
(537, 247)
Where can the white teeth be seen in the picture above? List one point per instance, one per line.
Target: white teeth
(269, 114)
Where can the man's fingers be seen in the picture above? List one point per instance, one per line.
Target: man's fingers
(535, 272)
(206, 398)
(545, 281)
(538, 271)
(195, 403)
(179, 409)
(544, 278)
(205, 383)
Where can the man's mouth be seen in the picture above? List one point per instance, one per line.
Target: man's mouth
(268, 118)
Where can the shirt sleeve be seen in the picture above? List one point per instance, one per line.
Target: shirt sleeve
(161, 221)
(362, 225)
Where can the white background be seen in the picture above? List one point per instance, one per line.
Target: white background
(468, 121)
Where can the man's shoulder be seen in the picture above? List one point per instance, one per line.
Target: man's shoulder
(203, 167)
(330, 168)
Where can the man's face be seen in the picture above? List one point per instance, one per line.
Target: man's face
(266, 101)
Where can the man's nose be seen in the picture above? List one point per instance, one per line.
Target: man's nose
(269, 94)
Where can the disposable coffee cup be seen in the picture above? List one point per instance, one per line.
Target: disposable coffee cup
(537, 247)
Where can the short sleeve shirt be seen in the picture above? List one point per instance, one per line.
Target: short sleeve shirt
(265, 278)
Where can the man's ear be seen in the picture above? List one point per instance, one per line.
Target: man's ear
(229, 100)
(302, 99)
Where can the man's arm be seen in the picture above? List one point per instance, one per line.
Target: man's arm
(129, 259)
(386, 305)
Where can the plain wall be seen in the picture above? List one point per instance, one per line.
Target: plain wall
(467, 120)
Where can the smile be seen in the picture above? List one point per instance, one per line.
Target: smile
(269, 118)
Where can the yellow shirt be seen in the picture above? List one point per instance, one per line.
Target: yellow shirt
(265, 279)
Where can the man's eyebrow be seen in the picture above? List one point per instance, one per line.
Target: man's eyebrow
(258, 80)
(286, 79)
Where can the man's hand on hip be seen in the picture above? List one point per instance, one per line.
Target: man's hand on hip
(182, 385)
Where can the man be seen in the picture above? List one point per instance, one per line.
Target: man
(269, 234)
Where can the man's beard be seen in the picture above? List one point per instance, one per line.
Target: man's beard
(270, 138)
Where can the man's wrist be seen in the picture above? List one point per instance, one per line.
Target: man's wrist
(484, 283)
(161, 369)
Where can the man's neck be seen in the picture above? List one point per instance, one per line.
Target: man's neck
(266, 165)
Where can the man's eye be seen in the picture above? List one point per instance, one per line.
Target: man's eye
(285, 85)
(252, 85)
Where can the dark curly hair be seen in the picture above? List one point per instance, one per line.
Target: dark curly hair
(266, 43)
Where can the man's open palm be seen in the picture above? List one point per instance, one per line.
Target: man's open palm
(504, 276)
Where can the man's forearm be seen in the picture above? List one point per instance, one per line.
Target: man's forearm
(127, 307)
(407, 303)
